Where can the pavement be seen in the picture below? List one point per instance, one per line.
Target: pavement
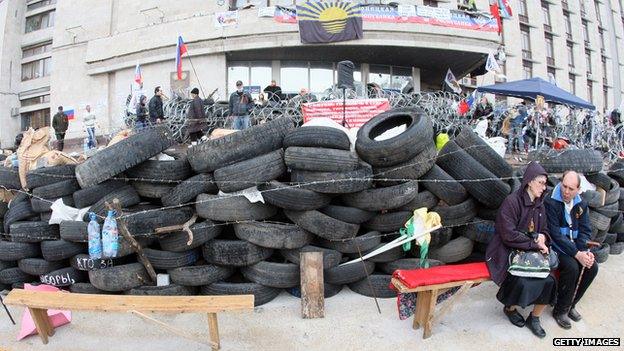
(351, 322)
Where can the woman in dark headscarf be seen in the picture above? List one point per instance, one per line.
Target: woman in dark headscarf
(521, 224)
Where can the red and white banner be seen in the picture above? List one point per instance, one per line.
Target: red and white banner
(356, 112)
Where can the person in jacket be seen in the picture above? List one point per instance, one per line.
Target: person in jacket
(274, 93)
(156, 106)
(484, 109)
(60, 124)
(141, 113)
(196, 116)
(521, 224)
(89, 120)
(240, 105)
(570, 230)
(515, 132)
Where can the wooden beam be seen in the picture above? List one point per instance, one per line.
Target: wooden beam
(312, 288)
(40, 318)
(174, 330)
(180, 227)
(213, 328)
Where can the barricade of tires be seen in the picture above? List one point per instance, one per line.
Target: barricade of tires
(318, 194)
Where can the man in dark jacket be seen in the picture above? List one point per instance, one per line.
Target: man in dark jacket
(240, 105)
(196, 117)
(156, 106)
(274, 93)
(570, 229)
(60, 124)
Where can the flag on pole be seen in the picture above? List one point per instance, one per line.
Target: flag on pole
(138, 75)
(505, 8)
(451, 81)
(491, 65)
(495, 10)
(180, 50)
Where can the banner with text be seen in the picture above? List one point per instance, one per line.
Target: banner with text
(356, 112)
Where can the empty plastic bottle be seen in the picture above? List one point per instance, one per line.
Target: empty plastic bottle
(95, 241)
(110, 236)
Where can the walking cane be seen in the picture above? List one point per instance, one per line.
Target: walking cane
(590, 244)
(7, 310)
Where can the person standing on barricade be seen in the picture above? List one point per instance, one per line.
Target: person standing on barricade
(60, 123)
(240, 105)
(156, 106)
(89, 120)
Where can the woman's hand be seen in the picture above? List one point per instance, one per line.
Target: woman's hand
(542, 247)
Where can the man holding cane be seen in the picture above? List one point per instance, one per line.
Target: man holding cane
(570, 229)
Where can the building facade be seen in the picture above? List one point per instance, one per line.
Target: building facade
(78, 52)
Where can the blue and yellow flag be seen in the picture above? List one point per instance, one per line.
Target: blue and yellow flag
(329, 21)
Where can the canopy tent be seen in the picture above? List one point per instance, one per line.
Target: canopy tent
(531, 88)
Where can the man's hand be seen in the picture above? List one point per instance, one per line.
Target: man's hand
(586, 259)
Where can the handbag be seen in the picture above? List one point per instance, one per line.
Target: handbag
(532, 264)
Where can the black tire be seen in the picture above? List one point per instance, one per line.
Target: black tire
(87, 197)
(292, 197)
(443, 186)
(9, 178)
(580, 160)
(4, 207)
(202, 232)
(380, 286)
(57, 190)
(350, 273)
(169, 260)
(482, 184)
(273, 274)
(479, 230)
(388, 222)
(127, 197)
(84, 262)
(459, 214)
(164, 171)
(616, 248)
(119, 278)
(599, 221)
(232, 148)
(601, 254)
(423, 199)
(476, 147)
(122, 156)
(199, 275)
(188, 190)
(598, 235)
(252, 172)
(64, 277)
(329, 290)
(593, 198)
(273, 235)
(613, 193)
(610, 239)
(417, 136)
(313, 136)
(86, 288)
(320, 160)
(49, 175)
(143, 223)
(151, 190)
(33, 232)
(386, 256)
(39, 266)
(237, 253)
(362, 243)
(262, 294)
(10, 251)
(335, 182)
(168, 290)
(599, 179)
(17, 211)
(323, 225)
(232, 208)
(331, 258)
(453, 251)
(617, 171)
(611, 210)
(60, 249)
(347, 214)
(11, 276)
(7, 264)
(411, 169)
(383, 198)
(45, 205)
(74, 231)
(488, 214)
(405, 264)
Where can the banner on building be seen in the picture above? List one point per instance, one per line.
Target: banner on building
(266, 11)
(328, 22)
(225, 19)
(410, 14)
(357, 112)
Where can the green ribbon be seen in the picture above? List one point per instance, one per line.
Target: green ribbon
(408, 232)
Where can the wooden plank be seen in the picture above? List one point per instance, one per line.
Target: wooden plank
(172, 329)
(449, 303)
(127, 303)
(39, 317)
(432, 297)
(403, 289)
(213, 328)
(312, 288)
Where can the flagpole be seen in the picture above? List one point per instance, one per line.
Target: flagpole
(196, 76)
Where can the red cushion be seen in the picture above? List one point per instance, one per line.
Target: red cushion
(414, 278)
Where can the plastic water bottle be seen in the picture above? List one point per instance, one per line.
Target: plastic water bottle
(95, 241)
(85, 145)
(110, 236)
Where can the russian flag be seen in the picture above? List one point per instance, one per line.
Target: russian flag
(70, 114)
(180, 50)
(138, 75)
(505, 8)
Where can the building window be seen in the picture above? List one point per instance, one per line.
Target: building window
(36, 119)
(588, 61)
(522, 8)
(527, 69)
(36, 100)
(401, 76)
(40, 4)
(582, 6)
(602, 39)
(321, 77)
(39, 21)
(379, 75)
(570, 47)
(585, 32)
(431, 3)
(294, 76)
(605, 97)
(598, 16)
(546, 13)
(526, 42)
(590, 91)
(604, 68)
(36, 50)
(552, 75)
(36, 69)
(550, 50)
(568, 25)
(572, 82)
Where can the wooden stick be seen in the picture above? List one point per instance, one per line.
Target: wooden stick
(184, 227)
(135, 245)
(312, 288)
(456, 297)
(175, 330)
(38, 316)
(213, 329)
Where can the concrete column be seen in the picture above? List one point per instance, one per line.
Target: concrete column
(365, 68)
(276, 65)
(416, 79)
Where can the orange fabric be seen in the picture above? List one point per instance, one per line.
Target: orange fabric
(414, 278)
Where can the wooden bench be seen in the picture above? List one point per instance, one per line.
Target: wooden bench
(39, 302)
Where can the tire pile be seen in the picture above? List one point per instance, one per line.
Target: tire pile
(318, 194)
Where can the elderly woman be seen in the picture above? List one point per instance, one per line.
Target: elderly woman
(521, 224)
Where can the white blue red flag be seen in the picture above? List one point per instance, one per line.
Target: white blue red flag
(138, 74)
(505, 9)
(180, 50)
